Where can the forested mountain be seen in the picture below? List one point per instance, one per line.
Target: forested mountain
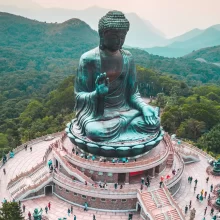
(187, 43)
(149, 36)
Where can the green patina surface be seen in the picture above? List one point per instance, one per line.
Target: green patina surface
(216, 168)
(112, 119)
(37, 214)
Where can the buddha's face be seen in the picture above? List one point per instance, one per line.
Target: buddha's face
(114, 39)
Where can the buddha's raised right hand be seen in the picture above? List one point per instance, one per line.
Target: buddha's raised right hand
(102, 85)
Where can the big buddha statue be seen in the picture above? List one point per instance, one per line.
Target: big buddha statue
(111, 117)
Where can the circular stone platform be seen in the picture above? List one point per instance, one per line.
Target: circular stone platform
(24, 160)
(128, 148)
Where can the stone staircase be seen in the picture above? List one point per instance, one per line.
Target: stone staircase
(158, 205)
(147, 199)
(35, 177)
(162, 198)
(17, 187)
(173, 214)
(29, 180)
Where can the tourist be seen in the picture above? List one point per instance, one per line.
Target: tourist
(141, 187)
(190, 204)
(29, 215)
(189, 179)
(74, 217)
(46, 209)
(49, 205)
(202, 191)
(161, 183)
(142, 180)
(4, 200)
(209, 196)
(121, 187)
(4, 171)
(167, 176)
(205, 210)
(23, 207)
(201, 198)
(19, 202)
(130, 216)
(68, 212)
(25, 147)
(85, 206)
(174, 172)
(116, 185)
(212, 211)
(106, 186)
(197, 197)
(30, 148)
(194, 189)
(86, 183)
(186, 209)
(211, 187)
(148, 179)
(71, 209)
(207, 179)
(94, 217)
(196, 181)
(205, 194)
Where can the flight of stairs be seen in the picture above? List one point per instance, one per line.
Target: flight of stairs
(158, 203)
(162, 198)
(23, 183)
(173, 214)
(148, 200)
(36, 177)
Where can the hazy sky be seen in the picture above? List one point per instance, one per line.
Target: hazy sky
(173, 17)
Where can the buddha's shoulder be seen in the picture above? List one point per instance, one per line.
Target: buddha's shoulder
(91, 54)
(127, 53)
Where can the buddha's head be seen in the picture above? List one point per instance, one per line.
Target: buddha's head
(113, 28)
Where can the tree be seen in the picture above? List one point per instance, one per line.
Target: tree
(11, 211)
(191, 129)
(211, 140)
(161, 100)
(3, 140)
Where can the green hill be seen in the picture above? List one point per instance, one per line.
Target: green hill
(210, 54)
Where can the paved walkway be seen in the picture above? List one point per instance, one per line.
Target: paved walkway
(186, 193)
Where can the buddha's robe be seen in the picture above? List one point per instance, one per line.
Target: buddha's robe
(122, 118)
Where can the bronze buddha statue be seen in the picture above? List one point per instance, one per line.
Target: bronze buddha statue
(109, 108)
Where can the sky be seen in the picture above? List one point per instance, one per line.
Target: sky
(172, 17)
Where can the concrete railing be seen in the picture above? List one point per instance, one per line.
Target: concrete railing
(187, 154)
(24, 174)
(197, 149)
(173, 203)
(144, 206)
(70, 169)
(93, 191)
(34, 188)
(174, 179)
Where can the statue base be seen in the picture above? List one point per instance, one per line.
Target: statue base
(123, 148)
